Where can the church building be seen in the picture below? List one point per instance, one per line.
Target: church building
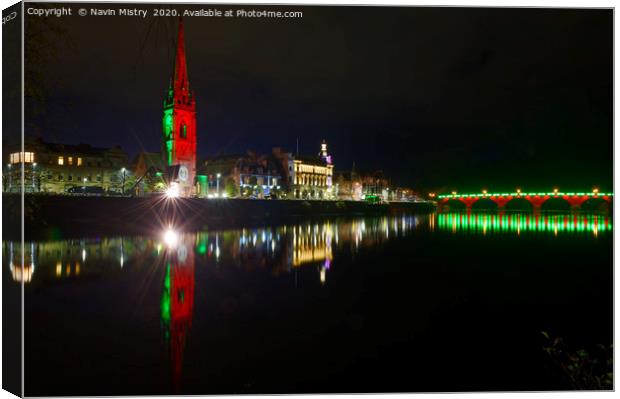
(179, 125)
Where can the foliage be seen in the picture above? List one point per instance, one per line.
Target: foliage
(589, 371)
(44, 37)
(231, 188)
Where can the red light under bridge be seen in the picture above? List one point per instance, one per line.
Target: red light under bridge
(537, 200)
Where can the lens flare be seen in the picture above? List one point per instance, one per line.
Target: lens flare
(172, 191)
(171, 238)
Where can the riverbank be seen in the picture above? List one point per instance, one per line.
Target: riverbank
(52, 217)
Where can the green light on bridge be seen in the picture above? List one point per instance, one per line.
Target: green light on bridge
(522, 194)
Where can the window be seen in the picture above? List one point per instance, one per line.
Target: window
(184, 131)
(61, 160)
(79, 161)
(98, 177)
(70, 177)
(60, 177)
(17, 157)
(69, 160)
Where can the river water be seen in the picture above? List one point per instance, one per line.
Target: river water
(439, 302)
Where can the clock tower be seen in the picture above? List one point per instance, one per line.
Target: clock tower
(179, 123)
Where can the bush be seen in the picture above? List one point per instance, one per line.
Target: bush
(583, 370)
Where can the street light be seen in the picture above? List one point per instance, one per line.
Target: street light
(595, 190)
(555, 191)
(34, 165)
(484, 191)
(173, 191)
(123, 185)
(84, 186)
(218, 183)
(10, 176)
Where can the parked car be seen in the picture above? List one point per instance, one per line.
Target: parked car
(88, 190)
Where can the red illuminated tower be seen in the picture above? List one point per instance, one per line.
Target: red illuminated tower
(179, 122)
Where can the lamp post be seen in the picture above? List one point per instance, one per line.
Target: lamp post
(218, 183)
(34, 165)
(10, 177)
(123, 185)
(84, 186)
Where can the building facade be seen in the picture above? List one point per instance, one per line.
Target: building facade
(247, 175)
(65, 168)
(312, 177)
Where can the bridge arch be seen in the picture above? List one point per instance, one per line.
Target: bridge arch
(485, 204)
(519, 204)
(528, 201)
(453, 204)
(596, 204)
(556, 204)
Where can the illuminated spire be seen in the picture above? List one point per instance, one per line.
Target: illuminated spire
(180, 78)
(323, 153)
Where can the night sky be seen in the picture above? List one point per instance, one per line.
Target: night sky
(437, 98)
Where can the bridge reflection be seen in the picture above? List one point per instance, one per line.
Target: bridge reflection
(520, 223)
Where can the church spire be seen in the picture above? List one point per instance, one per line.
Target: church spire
(179, 123)
(180, 79)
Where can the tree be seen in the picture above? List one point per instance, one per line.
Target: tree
(230, 188)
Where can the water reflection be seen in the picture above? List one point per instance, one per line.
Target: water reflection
(279, 249)
(313, 246)
(521, 223)
(177, 298)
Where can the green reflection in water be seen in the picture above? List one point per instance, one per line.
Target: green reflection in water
(521, 223)
(165, 301)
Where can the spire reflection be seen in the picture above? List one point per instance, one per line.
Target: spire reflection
(177, 298)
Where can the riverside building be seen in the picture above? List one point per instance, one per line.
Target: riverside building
(64, 168)
(312, 177)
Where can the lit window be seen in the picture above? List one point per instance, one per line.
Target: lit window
(61, 160)
(69, 160)
(79, 161)
(17, 157)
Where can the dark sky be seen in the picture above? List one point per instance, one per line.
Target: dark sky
(438, 98)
